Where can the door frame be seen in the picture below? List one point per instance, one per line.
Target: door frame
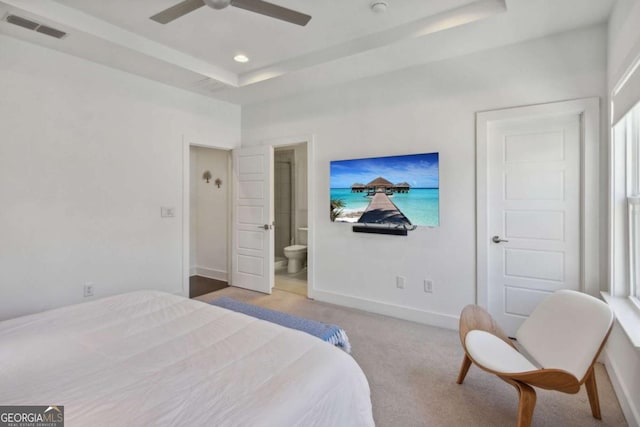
(590, 150)
(187, 143)
(309, 139)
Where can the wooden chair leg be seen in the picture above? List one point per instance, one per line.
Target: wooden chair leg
(592, 392)
(466, 364)
(526, 402)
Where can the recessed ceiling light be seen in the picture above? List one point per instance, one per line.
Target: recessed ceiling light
(241, 58)
(379, 6)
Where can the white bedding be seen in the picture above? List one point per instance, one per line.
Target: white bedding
(151, 358)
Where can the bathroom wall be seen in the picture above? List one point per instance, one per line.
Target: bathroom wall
(300, 186)
(283, 165)
(209, 213)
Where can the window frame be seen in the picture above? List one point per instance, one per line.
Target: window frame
(624, 207)
(624, 211)
(631, 126)
(633, 233)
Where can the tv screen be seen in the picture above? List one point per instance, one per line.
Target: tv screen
(397, 191)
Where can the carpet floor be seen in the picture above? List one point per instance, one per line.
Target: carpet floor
(412, 370)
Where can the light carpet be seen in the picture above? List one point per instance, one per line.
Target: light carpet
(412, 370)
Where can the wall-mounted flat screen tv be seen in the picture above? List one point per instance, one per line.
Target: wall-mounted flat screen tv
(397, 191)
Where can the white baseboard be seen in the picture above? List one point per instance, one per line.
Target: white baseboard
(210, 273)
(401, 312)
(193, 271)
(627, 402)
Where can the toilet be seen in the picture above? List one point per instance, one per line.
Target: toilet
(297, 254)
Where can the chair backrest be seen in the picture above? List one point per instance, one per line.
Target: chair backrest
(566, 331)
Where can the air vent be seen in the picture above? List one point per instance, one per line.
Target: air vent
(209, 85)
(32, 25)
(21, 22)
(51, 31)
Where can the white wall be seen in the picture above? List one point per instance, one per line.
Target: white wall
(422, 109)
(623, 38)
(621, 358)
(88, 155)
(209, 213)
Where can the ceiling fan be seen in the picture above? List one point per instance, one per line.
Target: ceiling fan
(257, 6)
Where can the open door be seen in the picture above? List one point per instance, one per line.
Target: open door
(252, 236)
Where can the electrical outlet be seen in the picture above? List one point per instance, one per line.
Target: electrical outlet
(400, 282)
(167, 212)
(428, 286)
(88, 289)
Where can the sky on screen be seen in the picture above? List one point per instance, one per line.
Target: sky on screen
(419, 170)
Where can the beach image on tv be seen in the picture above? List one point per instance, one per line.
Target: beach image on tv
(394, 191)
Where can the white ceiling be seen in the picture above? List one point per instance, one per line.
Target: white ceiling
(344, 40)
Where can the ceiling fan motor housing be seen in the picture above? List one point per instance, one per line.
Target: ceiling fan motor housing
(258, 6)
(217, 4)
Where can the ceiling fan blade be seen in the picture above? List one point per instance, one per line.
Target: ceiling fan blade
(176, 11)
(272, 10)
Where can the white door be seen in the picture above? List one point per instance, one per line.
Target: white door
(533, 218)
(252, 236)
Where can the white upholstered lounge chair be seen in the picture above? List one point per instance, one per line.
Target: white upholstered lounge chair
(562, 339)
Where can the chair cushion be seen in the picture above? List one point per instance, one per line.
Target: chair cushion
(565, 331)
(490, 352)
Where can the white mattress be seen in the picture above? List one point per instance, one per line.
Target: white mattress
(150, 358)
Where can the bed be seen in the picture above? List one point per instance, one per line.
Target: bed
(152, 358)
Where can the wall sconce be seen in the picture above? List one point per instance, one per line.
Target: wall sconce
(206, 176)
(218, 182)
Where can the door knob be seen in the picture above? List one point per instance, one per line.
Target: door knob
(265, 227)
(497, 239)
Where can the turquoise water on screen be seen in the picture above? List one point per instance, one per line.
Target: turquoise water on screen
(420, 205)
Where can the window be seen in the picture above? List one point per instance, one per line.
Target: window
(632, 123)
(626, 172)
(634, 246)
(624, 209)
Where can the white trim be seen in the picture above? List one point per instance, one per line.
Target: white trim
(633, 235)
(627, 315)
(623, 101)
(309, 139)
(311, 216)
(186, 216)
(616, 231)
(627, 402)
(624, 79)
(482, 216)
(187, 143)
(398, 311)
(193, 271)
(622, 207)
(211, 273)
(589, 109)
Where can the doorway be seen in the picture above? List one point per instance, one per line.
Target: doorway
(537, 193)
(290, 202)
(209, 207)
